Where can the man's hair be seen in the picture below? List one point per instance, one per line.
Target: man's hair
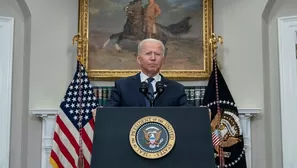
(151, 40)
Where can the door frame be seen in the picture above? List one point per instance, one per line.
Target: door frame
(287, 30)
(6, 57)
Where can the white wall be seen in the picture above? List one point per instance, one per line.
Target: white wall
(54, 23)
(52, 63)
(245, 60)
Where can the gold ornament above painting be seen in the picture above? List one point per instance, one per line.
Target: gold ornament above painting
(109, 32)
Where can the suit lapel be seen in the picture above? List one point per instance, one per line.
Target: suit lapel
(136, 82)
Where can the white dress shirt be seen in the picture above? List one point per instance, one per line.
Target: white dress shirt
(144, 77)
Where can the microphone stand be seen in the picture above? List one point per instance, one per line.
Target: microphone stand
(159, 91)
(154, 99)
(144, 90)
(151, 101)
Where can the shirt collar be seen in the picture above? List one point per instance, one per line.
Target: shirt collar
(143, 77)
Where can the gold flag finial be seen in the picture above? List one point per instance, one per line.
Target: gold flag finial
(80, 42)
(214, 40)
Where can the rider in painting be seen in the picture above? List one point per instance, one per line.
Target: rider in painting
(141, 23)
(151, 12)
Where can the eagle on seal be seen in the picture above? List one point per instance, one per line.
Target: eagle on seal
(229, 128)
(152, 138)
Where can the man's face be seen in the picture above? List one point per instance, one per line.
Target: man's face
(151, 58)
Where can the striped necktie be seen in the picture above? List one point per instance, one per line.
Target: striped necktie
(150, 91)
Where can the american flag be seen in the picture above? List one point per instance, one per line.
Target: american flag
(73, 135)
(216, 137)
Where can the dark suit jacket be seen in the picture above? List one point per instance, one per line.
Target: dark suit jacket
(126, 93)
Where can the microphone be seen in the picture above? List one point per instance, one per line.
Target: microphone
(159, 89)
(143, 88)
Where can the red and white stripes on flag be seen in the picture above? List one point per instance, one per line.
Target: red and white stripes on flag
(216, 138)
(65, 147)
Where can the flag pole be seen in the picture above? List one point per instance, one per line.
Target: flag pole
(80, 42)
(214, 40)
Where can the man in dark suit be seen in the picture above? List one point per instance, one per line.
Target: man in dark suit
(151, 57)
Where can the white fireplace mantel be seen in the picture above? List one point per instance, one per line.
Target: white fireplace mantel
(48, 117)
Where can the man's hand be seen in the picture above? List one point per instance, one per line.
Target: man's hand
(94, 113)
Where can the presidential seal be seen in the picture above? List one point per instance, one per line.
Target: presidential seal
(152, 137)
(227, 134)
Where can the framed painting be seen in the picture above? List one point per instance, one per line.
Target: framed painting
(110, 30)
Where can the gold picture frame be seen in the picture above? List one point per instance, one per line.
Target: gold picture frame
(83, 46)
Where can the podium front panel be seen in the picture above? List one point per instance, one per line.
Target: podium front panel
(192, 148)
